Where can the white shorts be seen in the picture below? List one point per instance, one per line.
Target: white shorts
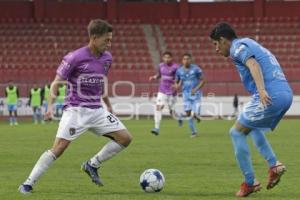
(77, 120)
(163, 99)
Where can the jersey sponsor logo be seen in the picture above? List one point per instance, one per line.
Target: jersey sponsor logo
(239, 49)
(91, 80)
(166, 77)
(72, 131)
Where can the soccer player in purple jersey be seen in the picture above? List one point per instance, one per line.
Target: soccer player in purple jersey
(84, 70)
(167, 94)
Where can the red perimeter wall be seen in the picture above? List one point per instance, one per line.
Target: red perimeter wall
(146, 12)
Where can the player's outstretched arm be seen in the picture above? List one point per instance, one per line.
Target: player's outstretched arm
(257, 75)
(154, 77)
(52, 96)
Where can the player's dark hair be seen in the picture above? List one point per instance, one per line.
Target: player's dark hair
(187, 54)
(99, 27)
(167, 53)
(224, 30)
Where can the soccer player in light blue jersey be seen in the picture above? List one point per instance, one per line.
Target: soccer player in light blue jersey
(190, 78)
(272, 96)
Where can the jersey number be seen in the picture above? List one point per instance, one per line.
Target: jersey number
(111, 118)
(272, 58)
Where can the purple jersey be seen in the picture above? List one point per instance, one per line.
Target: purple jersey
(85, 75)
(167, 78)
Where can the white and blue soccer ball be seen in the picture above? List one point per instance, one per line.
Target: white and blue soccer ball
(152, 180)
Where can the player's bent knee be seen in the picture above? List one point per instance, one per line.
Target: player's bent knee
(60, 145)
(125, 138)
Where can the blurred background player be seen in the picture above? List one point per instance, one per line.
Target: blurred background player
(190, 78)
(35, 102)
(12, 95)
(45, 94)
(235, 105)
(262, 76)
(167, 94)
(86, 68)
(60, 99)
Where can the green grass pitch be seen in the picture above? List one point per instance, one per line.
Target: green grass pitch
(201, 168)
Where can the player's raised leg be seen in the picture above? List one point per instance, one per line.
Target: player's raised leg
(106, 124)
(119, 141)
(276, 169)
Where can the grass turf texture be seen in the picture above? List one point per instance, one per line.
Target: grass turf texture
(200, 168)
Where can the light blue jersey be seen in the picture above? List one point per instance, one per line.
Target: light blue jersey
(243, 49)
(190, 78)
(254, 115)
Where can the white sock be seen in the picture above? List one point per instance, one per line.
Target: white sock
(157, 118)
(106, 153)
(40, 167)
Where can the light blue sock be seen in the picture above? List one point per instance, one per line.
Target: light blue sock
(192, 125)
(10, 120)
(14, 120)
(242, 154)
(263, 146)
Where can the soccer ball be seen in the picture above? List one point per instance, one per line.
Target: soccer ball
(152, 180)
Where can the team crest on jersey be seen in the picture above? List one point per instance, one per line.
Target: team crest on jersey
(106, 65)
(72, 131)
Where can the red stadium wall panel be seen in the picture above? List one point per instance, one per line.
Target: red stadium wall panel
(282, 8)
(220, 9)
(23, 9)
(75, 10)
(148, 12)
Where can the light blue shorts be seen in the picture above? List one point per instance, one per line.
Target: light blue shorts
(254, 115)
(12, 107)
(192, 103)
